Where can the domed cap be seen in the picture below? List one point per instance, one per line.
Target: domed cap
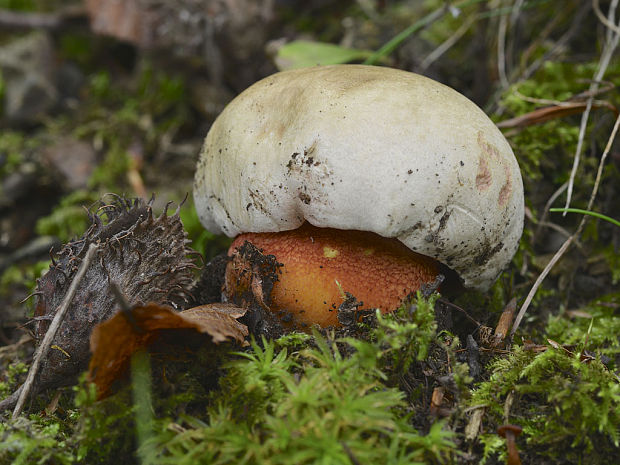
(365, 148)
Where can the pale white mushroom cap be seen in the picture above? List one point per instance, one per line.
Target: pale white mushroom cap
(365, 148)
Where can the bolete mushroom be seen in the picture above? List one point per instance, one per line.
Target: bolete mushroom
(360, 179)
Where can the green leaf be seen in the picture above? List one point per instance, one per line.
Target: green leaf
(304, 53)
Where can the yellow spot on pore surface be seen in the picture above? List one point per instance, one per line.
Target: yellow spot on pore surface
(369, 251)
(329, 252)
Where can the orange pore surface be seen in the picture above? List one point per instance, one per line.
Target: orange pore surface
(378, 271)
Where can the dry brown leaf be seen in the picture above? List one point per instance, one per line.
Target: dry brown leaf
(505, 322)
(113, 342)
(531, 346)
(578, 314)
(437, 400)
(541, 115)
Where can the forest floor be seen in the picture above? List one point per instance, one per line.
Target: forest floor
(108, 101)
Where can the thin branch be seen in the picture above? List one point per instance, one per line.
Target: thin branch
(448, 43)
(599, 14)
(572, 238)
(45, 345)
(545, 212)
(395, 42)
(50, 21)
(501, 50)
(610, 47)
(559, 44)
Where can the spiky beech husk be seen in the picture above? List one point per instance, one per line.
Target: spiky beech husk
(146, 256)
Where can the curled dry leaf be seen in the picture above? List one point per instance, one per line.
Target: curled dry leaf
(114, 341)
(436, 401)
(505, 323)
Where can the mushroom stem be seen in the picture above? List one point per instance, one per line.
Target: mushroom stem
(320, 263)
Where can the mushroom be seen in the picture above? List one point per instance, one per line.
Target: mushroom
(362, 179)
(511, 432)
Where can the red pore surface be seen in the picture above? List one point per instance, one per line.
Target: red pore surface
(320, 264)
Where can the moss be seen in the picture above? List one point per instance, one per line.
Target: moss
(13, 146)
(10, 378)
(405, 335)
(115, 117)
(309, 407)
(22, 275)
(68, 219)
(595, 327)
(568, 407)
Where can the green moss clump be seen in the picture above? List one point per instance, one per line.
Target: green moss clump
(595, 328)
(68, 219)
(567, 407)
(326, 402)
(13, 146)
(314, 406)
(9, 379)
(22, 275)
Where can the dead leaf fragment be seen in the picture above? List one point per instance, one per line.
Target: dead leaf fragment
(542, 115)
(436, 401)
(113, 342)
(474, 425)
(505, 323)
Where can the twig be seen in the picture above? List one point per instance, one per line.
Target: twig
(45, 345)
(559, 44)
(568, 241)
(51, 21)
(448, 43)
(501, 50)
(610, 46)
(393, 43)
(545, 212)
(599, 14)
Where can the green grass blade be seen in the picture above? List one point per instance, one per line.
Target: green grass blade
(586, 212)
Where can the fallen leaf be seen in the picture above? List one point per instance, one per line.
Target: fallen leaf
(113, 342)
(578, 314)
(505, 323)
(437, 400)
(304, 53)
(474, 425)
(542, 115)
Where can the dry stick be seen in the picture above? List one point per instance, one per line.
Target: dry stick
(559, 44)
(52, 21)
(611, 26)
(501, 51)
(45, 345)
(545, 213)
(568, 241)
(610, 46)
(448, 43)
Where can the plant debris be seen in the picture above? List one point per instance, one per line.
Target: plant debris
(145, 256)
(113, 341)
